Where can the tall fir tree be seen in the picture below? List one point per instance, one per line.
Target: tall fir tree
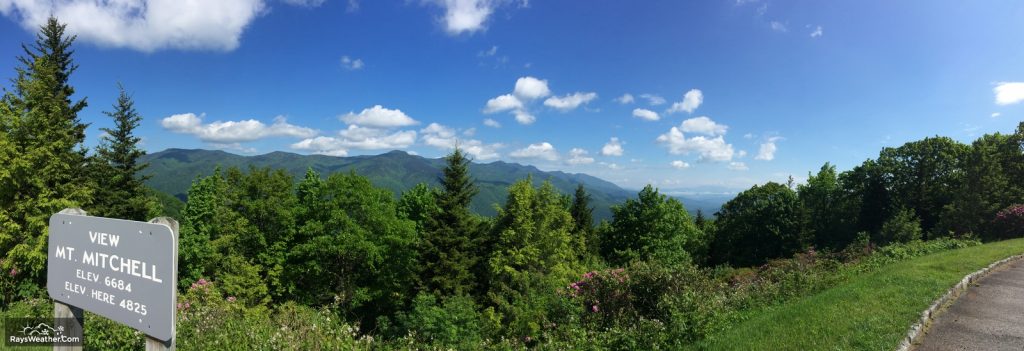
(451, 248)
(44, 165)
(120, 190)
(583, 224)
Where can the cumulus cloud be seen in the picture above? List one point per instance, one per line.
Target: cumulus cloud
(543, 151)
(502, 103)
(645, 114)
(817, 32)
(709, 149)
(351, 64)
(356, 137)
(625, 99)
(530, 88)
(468, 16)
(653, 100)
(738, 166)
(445, 138)
(691, 101)
(379, 117)
(578, 156)
(612, 148)
(995, 114)
(703, 125)
(1008, 93)
(680, 164)
(144, 25)
(527, 89)
(569, 102)
(524, 117)
(491, 123)
(233, 131)
(767, 151)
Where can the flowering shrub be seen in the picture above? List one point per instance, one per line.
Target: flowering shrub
(1009, 223)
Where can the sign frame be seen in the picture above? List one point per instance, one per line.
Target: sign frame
(91, 260)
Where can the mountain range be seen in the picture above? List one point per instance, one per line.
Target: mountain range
(173, 170)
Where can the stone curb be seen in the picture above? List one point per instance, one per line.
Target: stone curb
(917, 330)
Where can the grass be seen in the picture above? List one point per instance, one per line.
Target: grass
(870, 311)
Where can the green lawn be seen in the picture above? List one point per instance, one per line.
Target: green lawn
(871, 311)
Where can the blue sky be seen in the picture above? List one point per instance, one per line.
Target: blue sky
(724, 94)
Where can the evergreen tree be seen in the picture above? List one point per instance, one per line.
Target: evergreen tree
(451, 246)
(583, 223)
(120, 191)
(44, 161)
(533, 255)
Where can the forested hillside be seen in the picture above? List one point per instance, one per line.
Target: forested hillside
(172, 171)
(265, 261)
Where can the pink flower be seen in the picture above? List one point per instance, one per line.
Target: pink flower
(231, 299)
(14, 272)
(593, 308)
(179, 305)
(187, 305)
(202, 282)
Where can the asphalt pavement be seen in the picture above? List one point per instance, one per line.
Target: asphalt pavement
(989, 316)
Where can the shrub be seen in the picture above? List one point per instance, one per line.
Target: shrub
(903, 227)
(1009, 223)
(454, 321)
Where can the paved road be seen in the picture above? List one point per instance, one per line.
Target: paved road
(990, 316)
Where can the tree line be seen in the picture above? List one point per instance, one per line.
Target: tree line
(423, 260)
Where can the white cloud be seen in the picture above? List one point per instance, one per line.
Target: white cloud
(703, 125)
(503, 103)
(491, 123)
(442, 137)
(779, 27)
(612, 148)
(379, 117)
(625, 99)
(530, 88)
(653, 100)
(465, 16)
(741, 154)
(578, 156)
(356, 137)
(527, 89)
(234, 146)
(645, 114)
(767, 151)
(144, 25)
(748, 136)
(469, 132)
(351, 64)
(543, 150)
(1008, 93)
(680, 164)
(817, 32)
(233, 131)
(738, 166)
(489, 52)
(308, 3)
(691, 101)
(353, 6)
(569, 102)
(996, 114)
(709, 149)
(524, 118)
